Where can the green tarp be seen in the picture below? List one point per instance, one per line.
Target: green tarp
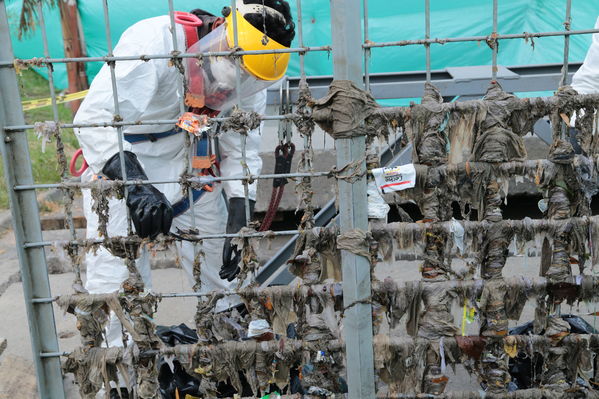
(389, 21)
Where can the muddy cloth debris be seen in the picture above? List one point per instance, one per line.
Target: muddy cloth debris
(494, 250)
(356, 241)
(257, 362)
(316, 257)
(587, 125)
(435, 319)
(495, 376)
(248, 262)
(501, 300)
(305, 127)
(582, 231)
(46, 131)
(342, 112)
(435, 266)
(242, 121)
(94, 368)
(101, 194)
(498, 136)
(556, 357)
(92, 314)
(429, 127)
(140, 307)
(561, 112)
(219, 327)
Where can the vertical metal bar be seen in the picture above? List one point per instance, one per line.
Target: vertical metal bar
(300, 32)
(353, 211)
(69, 213)
(182, 109)
(427, 35)
(115, 97)
(171, 12)
(27, 228)
(367, 51)
(567, 26)
(495, 42)
(246, 191)
(564, 78)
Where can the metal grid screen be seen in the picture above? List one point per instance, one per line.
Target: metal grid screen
(384, 360)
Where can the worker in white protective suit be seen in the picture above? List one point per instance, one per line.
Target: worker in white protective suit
(586, 79)
(151, 91)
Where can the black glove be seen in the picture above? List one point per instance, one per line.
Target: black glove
(151, 212)
(231, 255)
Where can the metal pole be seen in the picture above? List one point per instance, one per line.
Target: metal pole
(26, 224)
(495, 42)
(367, 51)
(567, 26)
(353, 211)
(427, 35)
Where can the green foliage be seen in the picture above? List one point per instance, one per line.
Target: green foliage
(44, 164)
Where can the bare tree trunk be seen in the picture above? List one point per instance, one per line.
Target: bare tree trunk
(73, 47)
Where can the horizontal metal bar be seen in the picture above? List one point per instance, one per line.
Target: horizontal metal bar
(452, 82)
(509, 36)
(54, 354)
(43, 60)
(188, 238)
(20, 128)
(199, 180)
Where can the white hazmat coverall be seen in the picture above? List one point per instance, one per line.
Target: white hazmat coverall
(151, 90)
(586, 79)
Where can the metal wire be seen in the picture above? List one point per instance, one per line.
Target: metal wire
(525, 35)
(564, 78)
(112, 58)
(195, 238)
(182, 109)
(69, 213)
(115, 97)
(300, 33)
(367, 51)
(567, 26)
(20, 128)
(204, 180)
(246, 202)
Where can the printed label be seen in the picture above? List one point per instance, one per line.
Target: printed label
(395, 179)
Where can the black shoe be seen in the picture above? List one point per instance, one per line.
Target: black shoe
(114, 393)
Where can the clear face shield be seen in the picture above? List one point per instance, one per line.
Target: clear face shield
(211, 81)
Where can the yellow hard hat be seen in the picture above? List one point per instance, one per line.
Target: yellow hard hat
(262, 66)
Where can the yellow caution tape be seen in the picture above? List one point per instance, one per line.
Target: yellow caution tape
(46, 102)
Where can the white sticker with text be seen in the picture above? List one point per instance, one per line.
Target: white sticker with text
(395, 179)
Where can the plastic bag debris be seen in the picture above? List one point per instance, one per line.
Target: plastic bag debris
(457, 231)
(173, 380)
(176, 383)
(177, 335)
(377, 207)
(260, 330)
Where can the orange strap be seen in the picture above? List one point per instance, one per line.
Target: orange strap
(190, 23)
